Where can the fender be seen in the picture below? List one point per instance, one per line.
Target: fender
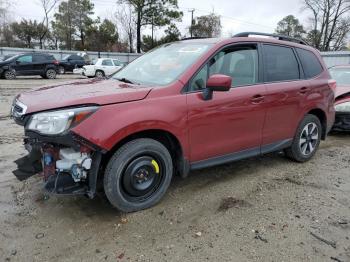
(108, 126)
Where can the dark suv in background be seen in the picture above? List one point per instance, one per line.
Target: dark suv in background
(71, 62)
(29, 64)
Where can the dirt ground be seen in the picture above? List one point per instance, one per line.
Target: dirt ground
(262, 209)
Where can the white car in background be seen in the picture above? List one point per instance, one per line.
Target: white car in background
(103, 67)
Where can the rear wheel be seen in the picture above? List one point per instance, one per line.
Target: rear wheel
(99, 74)
(138, 175)
(50, 74)
(10, 74)
(306, 140)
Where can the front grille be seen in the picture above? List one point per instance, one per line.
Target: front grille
(18, 109)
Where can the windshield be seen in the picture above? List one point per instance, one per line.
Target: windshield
(341, 75)
(162, 65)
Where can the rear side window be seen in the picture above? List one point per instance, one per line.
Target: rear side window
(311, 65)
(280, 64)
(39, 58)
(107, 63)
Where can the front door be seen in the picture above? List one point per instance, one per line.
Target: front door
(231, 122)
(24, 65)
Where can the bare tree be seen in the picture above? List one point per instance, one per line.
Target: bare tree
(48, 6)
(127, 24)
(330, 20)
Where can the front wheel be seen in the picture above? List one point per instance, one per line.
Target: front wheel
(99, 74)
(138, 175)
(10, 74)
(307, 139)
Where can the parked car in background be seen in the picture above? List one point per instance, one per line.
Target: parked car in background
(4, 58)
(184, 106)
(29, 64)
(71, 62)
(102, 67)
(342, 97)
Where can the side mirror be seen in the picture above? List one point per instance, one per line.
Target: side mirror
(218, 83)
(18, 62)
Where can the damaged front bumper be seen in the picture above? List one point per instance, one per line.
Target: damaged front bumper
(342, 122)
(68, 164)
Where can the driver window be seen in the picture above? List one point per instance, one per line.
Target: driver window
(239, 62)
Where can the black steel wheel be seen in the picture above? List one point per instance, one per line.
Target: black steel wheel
(138, 175)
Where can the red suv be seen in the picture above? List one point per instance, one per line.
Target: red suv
(186, 105)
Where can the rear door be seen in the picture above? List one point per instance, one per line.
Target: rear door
(39, 63)
(286, 91)
(108, 67)
(231, 122)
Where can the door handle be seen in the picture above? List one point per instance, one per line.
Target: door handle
(257, 99)
(303, 90)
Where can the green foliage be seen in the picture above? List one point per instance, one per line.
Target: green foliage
(102, 37)
(156, 13)
(28, 30)
(73, 19)
(172, 34)
(290, 26)
(206, 26)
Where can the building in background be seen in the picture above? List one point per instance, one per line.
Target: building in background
(336, 58)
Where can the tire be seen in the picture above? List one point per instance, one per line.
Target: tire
(61, 70)
(306, 143)
(10, 74)
(138, 175)
(99, 74)
(50, 73)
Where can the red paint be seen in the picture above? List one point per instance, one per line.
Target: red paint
(238, 119)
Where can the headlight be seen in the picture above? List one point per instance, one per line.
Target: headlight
(344, 107)
(57, 122)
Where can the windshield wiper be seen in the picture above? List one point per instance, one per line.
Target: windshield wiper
(128, 81)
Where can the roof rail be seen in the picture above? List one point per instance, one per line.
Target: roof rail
(194, 37)
(279, 37)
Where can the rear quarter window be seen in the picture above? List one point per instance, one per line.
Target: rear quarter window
(311, 64)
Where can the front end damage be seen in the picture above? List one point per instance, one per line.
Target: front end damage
(66, 164)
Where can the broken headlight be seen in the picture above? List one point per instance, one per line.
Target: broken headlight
(344, 107)
(57, 122)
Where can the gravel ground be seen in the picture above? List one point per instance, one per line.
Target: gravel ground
(262, 209)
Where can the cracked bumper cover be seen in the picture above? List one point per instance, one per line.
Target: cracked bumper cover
(342, 122)
(32, 164)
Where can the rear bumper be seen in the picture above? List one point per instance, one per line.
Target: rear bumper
(342, 122)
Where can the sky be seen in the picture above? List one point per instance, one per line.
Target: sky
(236, 15)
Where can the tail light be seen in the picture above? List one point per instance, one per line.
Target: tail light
(333, 85)
(56, 62)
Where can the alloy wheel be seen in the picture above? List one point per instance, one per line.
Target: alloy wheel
(308, 139)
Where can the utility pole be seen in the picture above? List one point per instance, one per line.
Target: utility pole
(191, 11)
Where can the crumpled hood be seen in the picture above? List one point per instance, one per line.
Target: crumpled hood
(95, 91)
(341, 90)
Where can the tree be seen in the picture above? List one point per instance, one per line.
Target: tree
(73, 20)
(126, 22)
(102, 37)
(172, 34)
(290, 26)
(330, 23)
(206, 26)
(4, 20)
(83, 9)
(156, 13)
(48, 6)
(27, 31)
(63, 25)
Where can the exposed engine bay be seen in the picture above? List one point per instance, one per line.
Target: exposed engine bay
(65, 169)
